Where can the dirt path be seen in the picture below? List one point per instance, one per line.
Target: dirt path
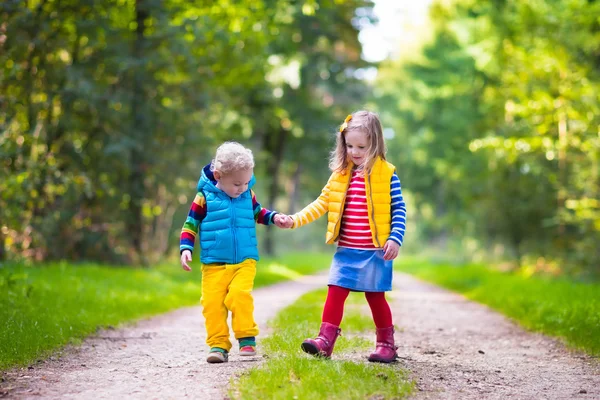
(159, 358)
(458, 349)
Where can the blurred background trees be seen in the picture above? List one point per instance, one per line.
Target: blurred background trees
(498, 130)
(108, 111)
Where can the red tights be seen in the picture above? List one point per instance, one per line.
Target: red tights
(334, 307)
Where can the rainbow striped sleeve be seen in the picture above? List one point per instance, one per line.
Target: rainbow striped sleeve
(192, 223)
(314, 210)
(261, 215)
(398, 211)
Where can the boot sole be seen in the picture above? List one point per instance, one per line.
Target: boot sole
(312, 349)
(383, 361)
(215, 359)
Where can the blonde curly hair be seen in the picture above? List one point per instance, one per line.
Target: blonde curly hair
(231, 157)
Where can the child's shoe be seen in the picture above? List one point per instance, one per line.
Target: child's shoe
(322, 345)
(247, 346)
(217, 355)
(385, 350)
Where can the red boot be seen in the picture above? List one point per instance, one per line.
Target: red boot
(322, 345)
(385, 351)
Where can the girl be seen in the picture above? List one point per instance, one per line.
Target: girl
(367, 217)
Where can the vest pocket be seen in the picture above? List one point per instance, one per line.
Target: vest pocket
(210, 244)
(247, 239)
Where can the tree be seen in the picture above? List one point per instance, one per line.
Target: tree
(501, 110)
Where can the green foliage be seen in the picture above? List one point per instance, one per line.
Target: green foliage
(558, 307)
(48, 306)
(289, 373)
(497, 128)
(109, 110)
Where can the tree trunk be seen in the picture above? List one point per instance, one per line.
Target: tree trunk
(293, 199)
(274, 145)
(136, 176)
(562, 161)
(2, 249)
(156, 234)
(516, 243)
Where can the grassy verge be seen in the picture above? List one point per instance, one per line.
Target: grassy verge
(45, 307)
(288, 373)
(558, 307)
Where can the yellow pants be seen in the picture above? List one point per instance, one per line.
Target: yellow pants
(228, 287)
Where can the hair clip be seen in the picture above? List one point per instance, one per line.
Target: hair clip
(345, 124)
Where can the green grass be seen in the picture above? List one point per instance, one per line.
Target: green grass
(558, 307)
(43, 308)
(289, 373)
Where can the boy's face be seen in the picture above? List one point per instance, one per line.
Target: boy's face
(235, 183)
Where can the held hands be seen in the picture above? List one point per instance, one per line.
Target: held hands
(283, 221)
(186, 257)
(390, 249)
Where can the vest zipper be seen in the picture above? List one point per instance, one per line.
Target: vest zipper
(373, 211)
(233, 232)
(335, 235)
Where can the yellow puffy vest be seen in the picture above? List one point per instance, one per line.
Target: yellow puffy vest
(379, 200)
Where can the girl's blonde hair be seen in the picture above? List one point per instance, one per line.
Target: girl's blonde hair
(231, 157)
(364, 121)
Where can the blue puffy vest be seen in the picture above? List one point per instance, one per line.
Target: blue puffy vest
(228, 231)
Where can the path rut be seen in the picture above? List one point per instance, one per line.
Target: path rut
(458, 349)
(159, 358)
(454, 348)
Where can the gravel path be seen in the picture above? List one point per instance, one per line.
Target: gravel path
(455, 349)
(160, 358)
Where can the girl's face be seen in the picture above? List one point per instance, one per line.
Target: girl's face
(357, 145)
(234, 183)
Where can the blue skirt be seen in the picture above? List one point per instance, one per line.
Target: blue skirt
(361, 270)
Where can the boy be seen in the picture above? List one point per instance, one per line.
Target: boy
(225, 212)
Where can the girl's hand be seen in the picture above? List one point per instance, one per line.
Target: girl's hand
(186, 257)
(390, 249)
(283, 221)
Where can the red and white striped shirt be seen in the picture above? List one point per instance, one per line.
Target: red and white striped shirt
(355, 231)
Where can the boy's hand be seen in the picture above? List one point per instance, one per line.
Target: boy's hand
(283, 221)
(390, 249)
(186, 257)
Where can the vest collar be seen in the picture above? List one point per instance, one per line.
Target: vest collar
(208, 183)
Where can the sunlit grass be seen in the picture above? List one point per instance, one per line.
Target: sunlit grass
(289, 373)
(43, 308)
(558, 307)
